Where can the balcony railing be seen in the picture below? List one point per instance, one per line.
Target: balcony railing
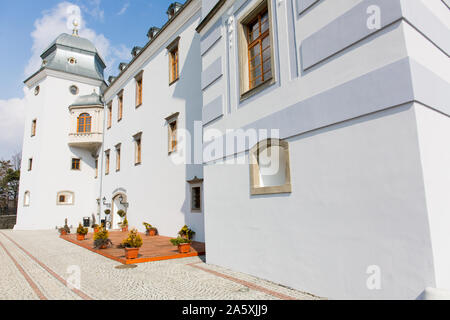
(90, 141)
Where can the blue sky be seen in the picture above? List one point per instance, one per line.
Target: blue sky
(27, 27)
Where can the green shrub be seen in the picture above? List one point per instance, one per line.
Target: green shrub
(101, 238)
(179, 241)
(134, 240)
(185, 232)
(82, 230)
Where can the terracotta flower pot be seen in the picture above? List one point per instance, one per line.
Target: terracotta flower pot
(131, 253)
(125, 229)
(184, 248)
(64, 233)
(151, 232)
(81, 237)
(104, 246)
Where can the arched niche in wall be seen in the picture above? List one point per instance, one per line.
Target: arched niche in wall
(270, 171)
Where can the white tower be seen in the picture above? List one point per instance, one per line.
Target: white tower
(63, 135)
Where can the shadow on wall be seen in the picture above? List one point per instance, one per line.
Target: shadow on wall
(190, 91)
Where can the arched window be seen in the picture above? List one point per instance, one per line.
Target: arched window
(84, 123)
(270, 167)
(26, 199)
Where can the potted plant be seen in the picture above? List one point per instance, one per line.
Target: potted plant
(101, 239)
(184, 245)
(186, 233)
(64, 230)
(124, 225)
(151, 231)
(132, 244)
(82, 232)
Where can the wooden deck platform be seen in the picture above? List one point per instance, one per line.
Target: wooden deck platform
(154, 249)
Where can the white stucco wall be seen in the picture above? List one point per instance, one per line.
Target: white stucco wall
(357, 201)
(434, 134)
(358, 195)
(157, 190)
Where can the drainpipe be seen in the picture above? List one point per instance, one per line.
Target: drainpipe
(102, 151)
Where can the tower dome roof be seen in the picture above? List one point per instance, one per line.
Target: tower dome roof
(75, 55)
(73, 42)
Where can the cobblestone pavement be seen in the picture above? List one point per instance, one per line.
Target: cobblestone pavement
(38, 265)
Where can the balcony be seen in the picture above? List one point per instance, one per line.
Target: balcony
(91, 141)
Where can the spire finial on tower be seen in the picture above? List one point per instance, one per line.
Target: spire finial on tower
(75, 27)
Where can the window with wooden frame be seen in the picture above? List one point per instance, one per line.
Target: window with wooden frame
(33, 127)
(120, 106)
(137, 148)
(30, 164)
(255, 48)
(174, 69)
(139, 88)
(118, 154)
(109, 124)
(84, 123)
(76, 164)
(172, 125)
(107, 161)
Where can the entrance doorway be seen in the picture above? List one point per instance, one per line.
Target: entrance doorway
(118, 204)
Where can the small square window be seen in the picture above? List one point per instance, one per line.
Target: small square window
(65, 198)
(76, 164)
(196, 201)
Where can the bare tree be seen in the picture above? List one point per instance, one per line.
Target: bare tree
(17, 161)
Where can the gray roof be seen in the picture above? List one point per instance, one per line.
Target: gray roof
(64, 48)
(72, 41)
(92, 99)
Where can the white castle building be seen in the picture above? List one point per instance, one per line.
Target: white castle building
(350, 99)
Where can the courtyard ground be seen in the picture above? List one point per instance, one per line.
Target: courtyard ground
(39, 265)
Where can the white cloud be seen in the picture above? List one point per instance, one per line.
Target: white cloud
(124, 9)
(12, 115)
(93, 8)
(51, 24)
